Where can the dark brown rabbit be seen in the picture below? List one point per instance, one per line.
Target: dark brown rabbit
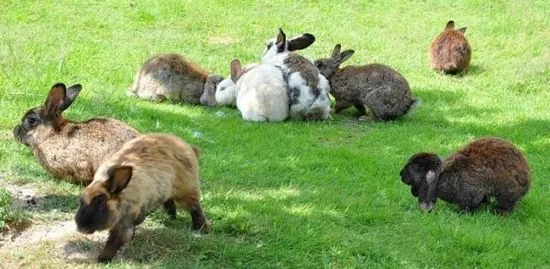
(149, 171)
(172, 77)
(68, 149)
(450, 52)
(485, 168)
(380, 88)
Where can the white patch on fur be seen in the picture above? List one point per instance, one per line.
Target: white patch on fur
(261, 94)
(430, 177)
(322, 104)
(225, 92)
(305, 99)
(275, 58)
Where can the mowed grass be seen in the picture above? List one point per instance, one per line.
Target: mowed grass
(294, 194)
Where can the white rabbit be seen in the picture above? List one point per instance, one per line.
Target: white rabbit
(224, 93)
(261, 93)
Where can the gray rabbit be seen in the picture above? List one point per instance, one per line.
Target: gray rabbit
(383, 90)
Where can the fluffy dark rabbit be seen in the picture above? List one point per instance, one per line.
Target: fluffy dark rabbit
(383, 90)
(148, 172)
(172, 77)
(450, 52)
(68, 149)
(485, 168)
(307, 88)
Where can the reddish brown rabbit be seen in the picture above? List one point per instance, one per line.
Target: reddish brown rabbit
(68, 149)
(148, 172)
(450, 52)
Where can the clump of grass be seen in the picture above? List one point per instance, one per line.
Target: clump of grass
(9, 216)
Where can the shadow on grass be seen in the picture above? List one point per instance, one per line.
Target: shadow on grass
(252, 227)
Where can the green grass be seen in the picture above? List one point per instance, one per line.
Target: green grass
(296, 194)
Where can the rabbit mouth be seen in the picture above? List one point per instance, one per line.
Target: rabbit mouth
(18, 134)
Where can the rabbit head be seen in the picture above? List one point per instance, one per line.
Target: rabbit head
(328, 66)
(98, 208)
(42, 120)
(280, 44)
(225, 91)
(422, 173)
(208, 97)
(451, 26)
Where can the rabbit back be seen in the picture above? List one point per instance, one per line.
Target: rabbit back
(261, 94)
(170, 77)
(78, 149)
(450, 52)
(383, 90)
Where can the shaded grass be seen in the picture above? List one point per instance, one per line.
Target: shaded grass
(295, 194)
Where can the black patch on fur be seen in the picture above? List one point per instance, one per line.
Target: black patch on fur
(92, 217)
(292, 93)
(72, 131)
(100, 120)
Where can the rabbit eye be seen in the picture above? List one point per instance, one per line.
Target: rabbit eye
(269, 45)
(222, 89)
(32, 121)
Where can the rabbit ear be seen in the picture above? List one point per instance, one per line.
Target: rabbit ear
(463, 30)
(119, 177)
(61, 98)
(71, 94)
(450, 25)
(235, 69)
(344, 56)
(281, 41)
(301, 42)
(336, 51)
(56, 99)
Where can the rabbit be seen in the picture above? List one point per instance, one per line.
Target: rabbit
(450, 51)
(172, 77)
(487, 167)
(382, 89)
(68, 149)
(147, 172)
(307, 88)
(224, 93)
(261, 93)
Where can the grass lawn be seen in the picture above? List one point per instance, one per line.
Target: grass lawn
(292, 194)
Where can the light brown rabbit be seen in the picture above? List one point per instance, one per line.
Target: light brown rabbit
(68, 149)
(149, 171)
(450, 52)
(172, 77)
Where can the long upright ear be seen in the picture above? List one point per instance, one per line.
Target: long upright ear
(71, 94)
(235, 69)
(336, 51)
(450, 25)
(119, 177)
(281, 40)
(55, 99)
(301, 42)
(463, 30)
(344, 56)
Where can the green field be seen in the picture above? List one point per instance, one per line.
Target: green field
(291, 194)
